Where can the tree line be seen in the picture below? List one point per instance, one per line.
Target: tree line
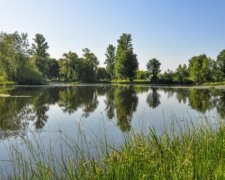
(26, 63)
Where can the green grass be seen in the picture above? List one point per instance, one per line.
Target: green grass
(7, 83)
(214, 83)
(190, 153)
(136, 81)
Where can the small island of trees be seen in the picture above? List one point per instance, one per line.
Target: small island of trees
(22, 63)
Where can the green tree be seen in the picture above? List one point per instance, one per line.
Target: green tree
(200, 68)
(110, 60)
(90, 59)
(181, 73)
(102, 74)
(15, 62)
(13, 54)
(88, 66)
(126, 61)
(142, 74)
(221, 63)
(153, 67)
(40, 54)
(53, 68)
(69, 66)
(40, 46)
(167, 76)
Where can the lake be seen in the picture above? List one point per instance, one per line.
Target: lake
(99, 111)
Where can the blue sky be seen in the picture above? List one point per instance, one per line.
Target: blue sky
(170, 30)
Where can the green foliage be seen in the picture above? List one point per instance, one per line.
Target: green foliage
(41, 64)
(69, 66)
(142, 75)
(181, 74)
(167, 77)
(30, 75)
(6, 83)
(88, 66)
(53, 68)
(200, 68)
(110, 60)
(40, 54)
(73, 68)
(126, 61)
(102, 74)
(153, 67)
(18, 59)
(13, 54)
(221, 64)
(40, 46)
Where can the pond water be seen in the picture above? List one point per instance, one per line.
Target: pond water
(113, 109)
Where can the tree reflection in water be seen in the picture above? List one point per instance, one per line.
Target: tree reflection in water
(121, 101)
(153, 99)
(72, 98)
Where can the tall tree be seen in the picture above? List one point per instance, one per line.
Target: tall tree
(40, 54)
(126, 61)
(40, 46)
(153, 67)
(221, 63)
(110, 60)
(90, 58)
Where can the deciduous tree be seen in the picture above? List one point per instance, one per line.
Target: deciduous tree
(153, 67)
(126, 61)
(110, 60)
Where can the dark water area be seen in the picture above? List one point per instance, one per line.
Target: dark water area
(113, 109)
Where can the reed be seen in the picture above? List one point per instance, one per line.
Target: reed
(189, 152)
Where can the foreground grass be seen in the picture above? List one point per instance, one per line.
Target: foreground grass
(191, 153)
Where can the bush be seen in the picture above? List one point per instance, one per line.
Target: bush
(29, 75)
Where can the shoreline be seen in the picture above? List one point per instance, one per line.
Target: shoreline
(69, 84)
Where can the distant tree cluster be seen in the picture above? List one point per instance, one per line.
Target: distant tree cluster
(31, 64)
(199, 70)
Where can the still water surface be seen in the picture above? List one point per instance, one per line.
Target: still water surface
(114, 109)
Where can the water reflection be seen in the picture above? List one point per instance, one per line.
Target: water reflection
(70, 99)
(153, 99)
(125, 104)
(120, 103)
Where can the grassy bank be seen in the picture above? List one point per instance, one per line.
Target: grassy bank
(214, 83)
(7, 83)
(193, 153)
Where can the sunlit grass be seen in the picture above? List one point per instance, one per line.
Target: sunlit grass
(135, 81)
(214, 83)
(6, 83)
(185, 153)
